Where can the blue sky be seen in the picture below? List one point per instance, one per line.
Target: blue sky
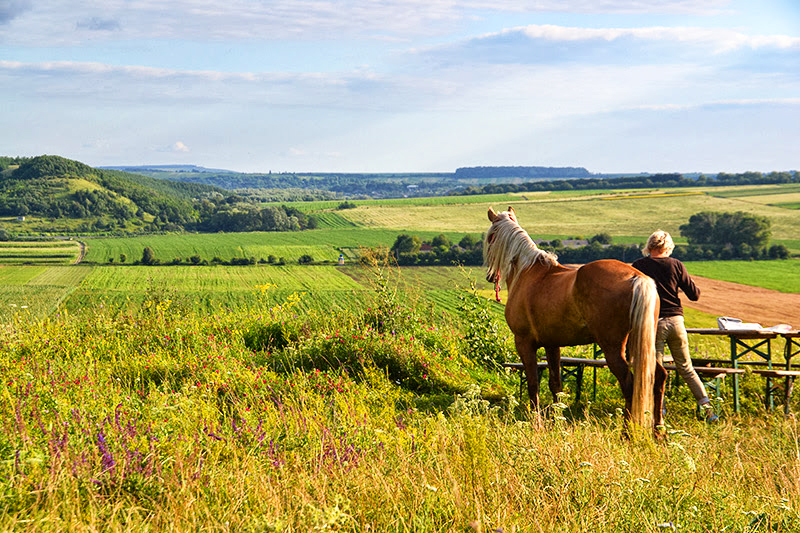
(404, 85)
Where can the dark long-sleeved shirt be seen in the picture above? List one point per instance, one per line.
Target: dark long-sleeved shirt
(669, 275)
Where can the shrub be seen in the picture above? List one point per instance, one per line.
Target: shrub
(271, 336)
(483, 341)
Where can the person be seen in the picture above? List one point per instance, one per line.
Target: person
(670, 275)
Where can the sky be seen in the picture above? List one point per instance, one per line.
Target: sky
(404, 85)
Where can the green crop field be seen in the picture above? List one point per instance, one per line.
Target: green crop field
(34, 252)
(321, 244)
(783, 276)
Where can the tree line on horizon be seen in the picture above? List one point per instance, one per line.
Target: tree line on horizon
(669, 180)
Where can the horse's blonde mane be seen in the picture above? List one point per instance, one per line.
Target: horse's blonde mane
(511, 250)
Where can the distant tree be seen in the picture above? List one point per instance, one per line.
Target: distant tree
(778, 251)
(196, 259)
(602, 238)
(441, 240)
(305, 259)
(700, 228)
(406, 244)
(727, 229)
(148, 256)
(123, 258)
(468, 242)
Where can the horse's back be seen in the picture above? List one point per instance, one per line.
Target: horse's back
(604, 291)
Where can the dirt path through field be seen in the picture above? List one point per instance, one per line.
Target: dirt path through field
(751, 304)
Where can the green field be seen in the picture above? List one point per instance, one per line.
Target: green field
(35, 252)
(321, 244)
(575, 216)
(629, 216)
(783, 276)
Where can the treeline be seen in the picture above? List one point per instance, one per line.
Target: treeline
(634, 182)
(232, 214)
(738, 235)
(349, 185)
(148, 258)
(410, 250)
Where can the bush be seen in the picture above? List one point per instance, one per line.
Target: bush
(148, 256)
(483, 341)
(271, 336)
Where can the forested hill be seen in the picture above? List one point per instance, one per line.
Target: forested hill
(55, 187)
(527, 173)
(52, 193)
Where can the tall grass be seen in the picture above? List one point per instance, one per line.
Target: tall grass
(279, 417)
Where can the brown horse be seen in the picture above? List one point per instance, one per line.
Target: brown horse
(550, 306)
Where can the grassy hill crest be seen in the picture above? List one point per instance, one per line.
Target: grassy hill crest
(51, 186)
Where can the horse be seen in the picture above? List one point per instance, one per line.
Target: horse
(549, 305)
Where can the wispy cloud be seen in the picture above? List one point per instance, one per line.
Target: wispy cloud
(98, 24)
(11, 9)
(56, 21)
(547, 44)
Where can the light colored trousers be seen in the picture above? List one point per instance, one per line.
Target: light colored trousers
(672, 332)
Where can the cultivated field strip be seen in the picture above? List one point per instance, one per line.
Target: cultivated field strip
(62, 276)
(218, 279)
(58, 252)
(16, 275)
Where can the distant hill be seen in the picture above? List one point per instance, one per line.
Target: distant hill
(55, 194)
(354, 185)
(528, 173)
(55, 187)
(169, 168)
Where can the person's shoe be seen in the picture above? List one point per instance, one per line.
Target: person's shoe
(709, 414)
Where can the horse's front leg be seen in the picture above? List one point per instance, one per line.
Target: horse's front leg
(554, 370)
(619, 367)
(526, 350)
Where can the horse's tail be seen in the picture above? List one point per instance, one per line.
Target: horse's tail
(642, 346)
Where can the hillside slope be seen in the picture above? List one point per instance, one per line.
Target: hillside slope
(56, 187)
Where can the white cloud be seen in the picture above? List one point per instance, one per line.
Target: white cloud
(62, 22)
(180, 147)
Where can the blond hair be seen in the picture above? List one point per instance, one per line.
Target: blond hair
(659, 241)
(508, 250)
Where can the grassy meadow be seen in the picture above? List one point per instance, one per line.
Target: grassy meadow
(295, 398)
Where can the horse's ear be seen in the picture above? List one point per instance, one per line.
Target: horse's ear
(492, 214)
(512, 213)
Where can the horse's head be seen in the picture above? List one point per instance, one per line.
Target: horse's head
(493, 272)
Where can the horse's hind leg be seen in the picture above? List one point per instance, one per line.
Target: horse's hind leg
(554, 370)
(527, 353)
(658, 395)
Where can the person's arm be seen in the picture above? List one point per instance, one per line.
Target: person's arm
(687, 284)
